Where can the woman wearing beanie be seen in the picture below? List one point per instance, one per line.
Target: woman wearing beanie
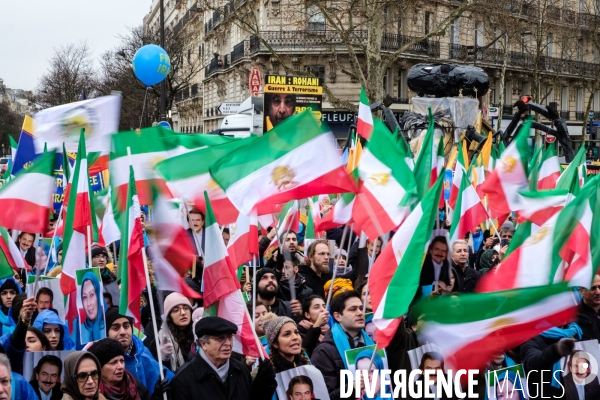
(177, 337)
(116, 382)
(81, 377)
(285, 343)
(9, 288)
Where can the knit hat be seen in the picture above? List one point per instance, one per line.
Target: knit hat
(272, 325)
(175, 299)
(99, 250)
(112, 314)
(485, 261)
(507, 225)
(261, 272)
(106, 349)
(340, 285)
(10, 283)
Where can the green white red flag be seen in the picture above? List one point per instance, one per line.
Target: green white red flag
(294, 160)
(131, 262)
(571, 177)
(387, 189)
(243, 240)
(26, 201)
(340, 214)
(460, 169)
(80, 220)
(394, 277)
(509, 177)
(170, 250)
(494, 323)
(220, 278)
(426, 165)
(469, 211)
(364, 125)
(11, 260)
(188, 176)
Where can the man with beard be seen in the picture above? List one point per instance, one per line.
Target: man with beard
(289, 245)
(588, 313)
(466, 276)
(267, 289)
(317, 273)
(290, 272)
(45, 376)
(580, 383)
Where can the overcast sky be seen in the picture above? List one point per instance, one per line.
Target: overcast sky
(31, 29)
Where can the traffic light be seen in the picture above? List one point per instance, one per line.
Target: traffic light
(525, 98)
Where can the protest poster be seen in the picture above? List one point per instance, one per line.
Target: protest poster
(90, 305)
(48, 295)
(32, 359)
(416, 355)
(288, 95)
(580, 368)
(296, 383)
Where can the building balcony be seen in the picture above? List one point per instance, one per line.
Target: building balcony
(238, 52)
(565, 114)
(323, 40)
(218, 62)
(580, 116)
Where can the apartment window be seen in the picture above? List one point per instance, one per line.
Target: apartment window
(316, 19)
(580, 49)
(316, 70)
(385, 18)
(582, 6)
(428, 17)
(579, 101)
(201, 51)
(402, 84)
(386, 81)
(564, 99)
(549, 45)
(454, 32)
(479, 34)
(400, 25)
(597, 100)
(189, 57)
(526, 88)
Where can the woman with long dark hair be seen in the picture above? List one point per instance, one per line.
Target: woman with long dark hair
(177, 337)
(285, 343)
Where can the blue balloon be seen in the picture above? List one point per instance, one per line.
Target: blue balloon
(151, 64)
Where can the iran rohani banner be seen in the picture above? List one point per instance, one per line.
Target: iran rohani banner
(295, 160)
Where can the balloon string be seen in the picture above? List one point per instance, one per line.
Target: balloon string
(144, 106)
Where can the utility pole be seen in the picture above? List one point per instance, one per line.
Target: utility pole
(163, 87)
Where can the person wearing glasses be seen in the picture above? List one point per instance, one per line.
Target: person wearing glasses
(82, 377)
(214, 375)
(100, 259)
(176, 338)
(115, 381)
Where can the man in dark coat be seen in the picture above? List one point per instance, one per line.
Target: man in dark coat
(288, 243)
(317, 273)
(26, 247)
(467, 276)
(588, 313)
(301, 290)
(359, 259)
(213, 374)
(436, 267)
(267, 292)
(46, 376)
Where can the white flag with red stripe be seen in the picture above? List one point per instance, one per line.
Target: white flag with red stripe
(460, 168)
(364, 125)
(469, 211)
(243, 240)
(550, 168)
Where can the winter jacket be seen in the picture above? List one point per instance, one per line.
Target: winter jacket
(326, 358)
(539, 354)
(21, 389)
(302, 290)
(465, 280)
(197, 378)
(56, 393)
(313, 281)
(589, 322)
(280, 308)
(310, 338)
(143, 366)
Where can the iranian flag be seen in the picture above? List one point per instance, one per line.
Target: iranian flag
(80, 220)
(387, 189)
(26, 201)
(11, 260)
(289, 220)
(478, 175)
(578, 226)
(542, 205)
(494, 323)
(394, 277)
(340, 214)
(170, 250)
(460, 169)
(469, 211)
(219, 279)
(296, 159)
(509, 176)
(131, 262)
(106, 217)
(570, 179)
(188, 176)
(426, 165)
(243, 240)
(515, 271)
(364, 125)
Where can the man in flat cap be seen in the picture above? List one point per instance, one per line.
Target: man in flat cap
(213, 374)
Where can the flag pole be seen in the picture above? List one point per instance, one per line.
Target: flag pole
(335, 268)
(253, 289)
(256, 341)
(349, 245)
(89, 245)
(150, 298)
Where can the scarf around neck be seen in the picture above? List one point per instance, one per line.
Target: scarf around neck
(342, 342)
(126, 390)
